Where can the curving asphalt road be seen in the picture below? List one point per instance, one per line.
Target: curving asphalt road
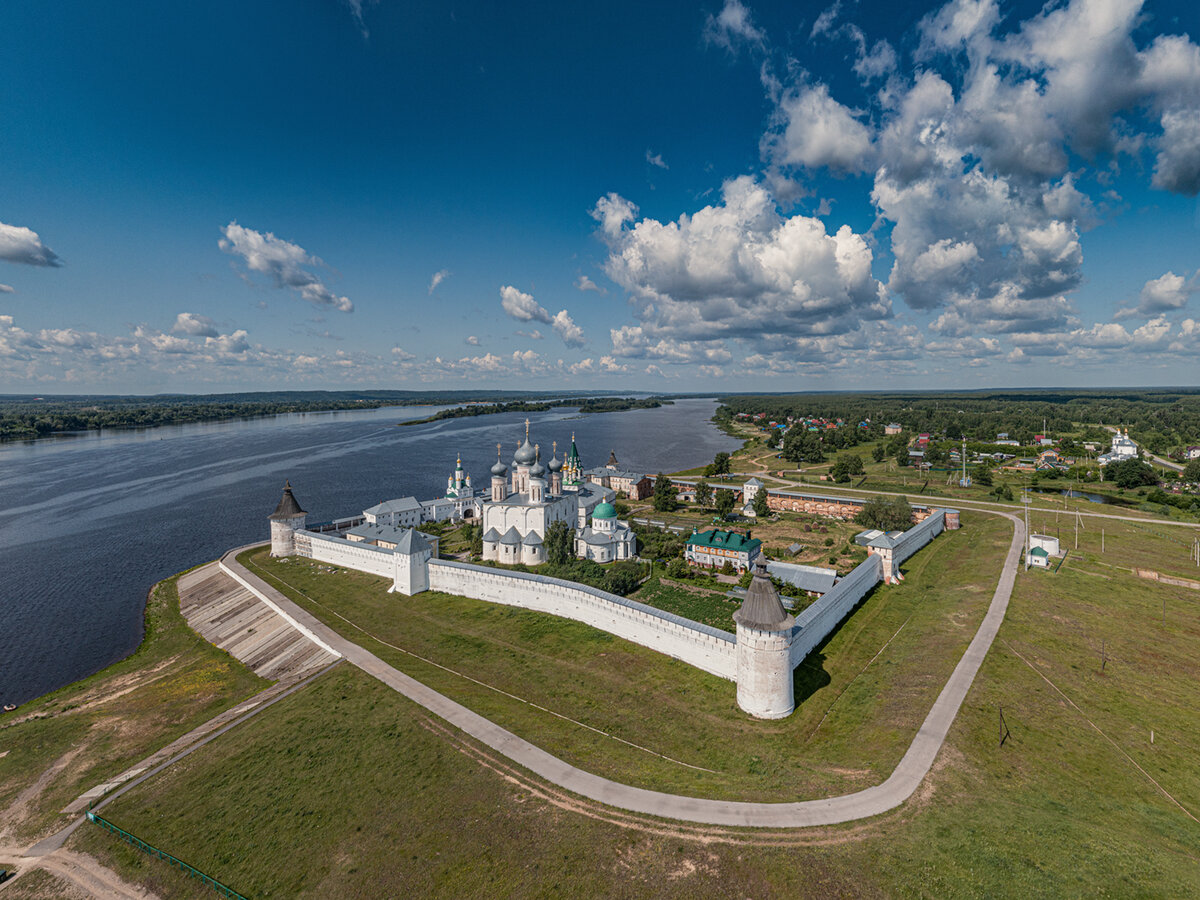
(903, 781)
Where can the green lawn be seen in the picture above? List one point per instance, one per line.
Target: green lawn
(346, 789)
(101, 725)
(687, 715)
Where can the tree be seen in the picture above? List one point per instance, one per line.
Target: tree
(724, 501)
(936, 456)
(664, 494)
(1002, 492)
(902, 458)
(845, 467)
(801, 445)
(719, 465)
(703, 493)
(879, 454)
(762, 509)
(559, 543)
(885, 514)
(623, 578)
(1191, 472)
(1130, 473)
(983, 476)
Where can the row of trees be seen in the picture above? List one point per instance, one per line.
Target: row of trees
(1161, 420)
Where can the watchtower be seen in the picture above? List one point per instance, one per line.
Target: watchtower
(287, 519)
(764, 650)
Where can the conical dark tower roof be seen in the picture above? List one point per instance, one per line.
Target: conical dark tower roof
(612, 458)
(762, 608)
(288, 507)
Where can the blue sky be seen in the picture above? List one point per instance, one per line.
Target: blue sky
(729, 195)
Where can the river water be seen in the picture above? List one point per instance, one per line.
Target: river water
(89, 522)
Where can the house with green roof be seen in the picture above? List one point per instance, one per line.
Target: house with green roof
(713, 548)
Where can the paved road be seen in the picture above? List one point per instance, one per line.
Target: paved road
(911, 770)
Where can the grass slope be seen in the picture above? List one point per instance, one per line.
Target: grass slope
(85, 733)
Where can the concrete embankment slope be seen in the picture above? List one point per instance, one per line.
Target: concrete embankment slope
(229, 615)
(829, 811)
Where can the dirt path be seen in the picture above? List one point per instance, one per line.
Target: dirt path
(78, 869)
(18, 810)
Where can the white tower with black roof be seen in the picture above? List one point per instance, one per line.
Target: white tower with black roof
(287, 519)
(764, 650)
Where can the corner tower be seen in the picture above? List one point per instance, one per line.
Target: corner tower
(764, 650)
(287, 519)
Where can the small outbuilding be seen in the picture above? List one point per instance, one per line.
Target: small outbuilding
(1047, 542)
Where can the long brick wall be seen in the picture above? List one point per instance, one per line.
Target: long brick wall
(834, 507)
(702, 646)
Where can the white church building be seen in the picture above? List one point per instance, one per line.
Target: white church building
(527, 497)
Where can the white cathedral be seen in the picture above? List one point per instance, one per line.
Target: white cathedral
(524, 505)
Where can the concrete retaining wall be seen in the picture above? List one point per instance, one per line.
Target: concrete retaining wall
(699, 645)
(231, 567)
(815, 623)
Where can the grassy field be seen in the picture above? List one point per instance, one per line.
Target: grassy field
(346, 789)
(699, 604)
(851, 727)
(68, 741)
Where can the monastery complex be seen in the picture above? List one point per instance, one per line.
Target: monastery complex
(526, 498)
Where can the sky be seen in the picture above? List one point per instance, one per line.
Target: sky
(733, 195)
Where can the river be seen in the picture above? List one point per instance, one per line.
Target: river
(89, 522)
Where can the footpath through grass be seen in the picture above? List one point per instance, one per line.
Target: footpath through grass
(860, 698)
(83, 734)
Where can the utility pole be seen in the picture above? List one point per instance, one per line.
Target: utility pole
(1025, 498)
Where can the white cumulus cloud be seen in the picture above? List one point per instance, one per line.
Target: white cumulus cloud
(283, 262)
(739, 269)
(565, 327)
(522, 306)
(733, 27)
(438, 278)
(21, 245)
(195, 325)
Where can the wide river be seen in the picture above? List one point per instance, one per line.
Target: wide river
(89, 522)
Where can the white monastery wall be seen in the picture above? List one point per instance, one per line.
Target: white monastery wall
(816, 622)
(351, 554)
(702, 646)
(918, 536)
